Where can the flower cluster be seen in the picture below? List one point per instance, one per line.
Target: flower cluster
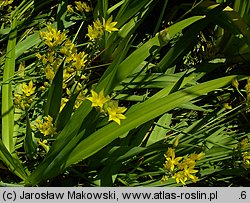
(97, 29)
(82, 6)
(80, 97)
(46, 126)
(4, 3)
(180, 168)
(245, 155)
(107, 106)
(79, 6)
(52, 38)
(60, 46)
(246, 160)
(25, 96)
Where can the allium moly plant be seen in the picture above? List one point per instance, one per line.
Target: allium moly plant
(93, 95)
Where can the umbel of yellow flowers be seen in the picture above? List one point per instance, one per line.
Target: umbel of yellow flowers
(24, 98)
(46, 126)
(180, 168)
(107, 106)
(97, 29)
(52, 38)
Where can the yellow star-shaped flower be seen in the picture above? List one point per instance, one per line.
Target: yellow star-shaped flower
(116, 113)
(94, 33)
(188, 172)
(28, 89)
(109, 26)
(98, 100)
(180, 177)
(171, 163)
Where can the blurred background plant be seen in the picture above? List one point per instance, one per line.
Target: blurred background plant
(125, 93)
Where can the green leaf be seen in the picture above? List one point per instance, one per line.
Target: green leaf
(7, 102)
(53, 104)
(26, 44)
(29, 142)
(66, 113)
(159, 132)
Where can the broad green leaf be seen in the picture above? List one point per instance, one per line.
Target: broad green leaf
(53, 104)
(7, 97)
(27, 43)
(65, 114)
(159, 132)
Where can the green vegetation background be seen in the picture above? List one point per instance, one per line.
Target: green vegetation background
(124, 93)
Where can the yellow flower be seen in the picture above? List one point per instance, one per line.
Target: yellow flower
(18, 98)
(70, 9)
(116, 113)
(171, 161)
(180, 177)
(51, 57)
(98, 100)
(28, 90)
(46, 127)
(20, 101)
(68, 49)
(96, 30)
(42, 58)
(195, 179)
(164, 178)
(170, 152)
(196, 156)
(25, 95)
(94, 33)
(98, 25)
(190, 161)
(246, 160)
(82, 6)
(227, 106)
(4, 3)
(187, 163)
(79, 60)
(44, 145)
(243, 143)
(63, 103)
(49, 73)
(109, 26)
(80, 98)
(188, 172)
(52, 37)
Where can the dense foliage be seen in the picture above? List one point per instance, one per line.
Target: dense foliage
(125, 93)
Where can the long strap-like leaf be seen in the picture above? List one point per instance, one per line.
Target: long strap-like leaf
(7, 102)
